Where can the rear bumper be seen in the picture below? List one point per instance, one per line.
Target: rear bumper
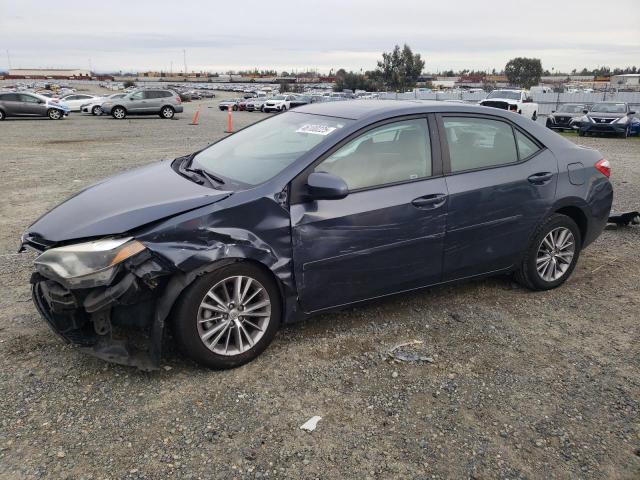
(178, 108)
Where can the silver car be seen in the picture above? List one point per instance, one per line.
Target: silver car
(25, 104)
(165, 103)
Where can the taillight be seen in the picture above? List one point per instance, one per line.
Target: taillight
(178, 99)
(604, 167)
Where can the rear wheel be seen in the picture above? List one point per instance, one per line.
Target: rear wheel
(228, 317)
(552, 254)
(167, 112)
(2, 115)
(54, 114)
(119, 113)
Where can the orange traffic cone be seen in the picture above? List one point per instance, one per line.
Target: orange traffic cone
(230, 120)
(196, 116)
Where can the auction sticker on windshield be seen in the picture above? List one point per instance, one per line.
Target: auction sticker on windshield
(316, 129)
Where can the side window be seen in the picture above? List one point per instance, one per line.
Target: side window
(526, 147)
(165, 94)
(391, 153)
(150, 94)
(11, 97)
(28, 98)
(479, 143)
(137, 96)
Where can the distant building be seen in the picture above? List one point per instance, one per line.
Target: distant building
(626, 80)
(58, 74)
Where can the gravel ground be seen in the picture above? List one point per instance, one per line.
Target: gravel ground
(512, 384)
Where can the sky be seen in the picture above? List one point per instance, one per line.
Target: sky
(298, 35)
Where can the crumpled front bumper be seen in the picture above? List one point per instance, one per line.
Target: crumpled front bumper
(121, 323)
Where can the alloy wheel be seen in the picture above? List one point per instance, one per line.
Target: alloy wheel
(234, 315)
(119, 113)
(555, 254)
(167, 112)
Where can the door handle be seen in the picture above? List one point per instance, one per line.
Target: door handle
(540, 178)
(430, 201)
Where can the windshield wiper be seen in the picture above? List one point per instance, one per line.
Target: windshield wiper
(203, 173)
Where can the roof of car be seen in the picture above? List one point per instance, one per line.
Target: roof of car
(359, 109)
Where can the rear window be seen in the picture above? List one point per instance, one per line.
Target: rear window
(9, 97)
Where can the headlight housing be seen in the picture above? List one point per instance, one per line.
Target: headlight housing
(621, 120)
(87, 265)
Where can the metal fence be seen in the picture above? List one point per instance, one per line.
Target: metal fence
(547, 101)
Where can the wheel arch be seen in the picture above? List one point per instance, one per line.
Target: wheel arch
(576, 214)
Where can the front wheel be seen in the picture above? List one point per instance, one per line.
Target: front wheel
(2, 115)
(552, 254)
(534, 117)
(119, 113)
(54, 114)
(284, 108)
(228, 317)
(97, 111)
(580, 133)
(167, 112)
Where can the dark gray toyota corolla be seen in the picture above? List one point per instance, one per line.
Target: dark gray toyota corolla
(326, 206)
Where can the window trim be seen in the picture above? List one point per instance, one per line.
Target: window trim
(444, 144)
(298, 184)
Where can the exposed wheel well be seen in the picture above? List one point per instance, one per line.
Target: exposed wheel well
(577, 216)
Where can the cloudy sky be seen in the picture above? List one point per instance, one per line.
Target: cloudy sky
(295, 35)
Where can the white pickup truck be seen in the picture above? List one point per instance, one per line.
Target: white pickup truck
(517, 101)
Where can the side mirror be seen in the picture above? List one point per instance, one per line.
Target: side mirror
(326, 186)
(553, 111)
(632, 112)
(585, 111)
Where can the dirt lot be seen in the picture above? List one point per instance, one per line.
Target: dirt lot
(517, 385)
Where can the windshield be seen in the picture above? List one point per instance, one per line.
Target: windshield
(278, 97)
(505, 94)
(571, 108)
(261, 151)
(609, 108)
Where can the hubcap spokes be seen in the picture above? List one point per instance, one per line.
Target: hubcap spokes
(555, 254)
(234, 315)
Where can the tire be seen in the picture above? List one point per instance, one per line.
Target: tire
(533, 272)
(167, 112)
(54, 114)
(119, 113)
(534, 117)
(284, 108)
(97, 111)
(625, 134)
(235, 108)
(189, 317)
(262, 109)
(2, 115)
(580, 133)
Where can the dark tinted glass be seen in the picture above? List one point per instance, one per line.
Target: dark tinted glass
(28, 98)
(10, 97)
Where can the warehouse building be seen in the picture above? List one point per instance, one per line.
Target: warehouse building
(58, 74)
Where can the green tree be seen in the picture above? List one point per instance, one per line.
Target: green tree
(400, 68)
(128, 84)
(524, 72)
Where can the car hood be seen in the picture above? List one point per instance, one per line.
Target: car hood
(122, 203)
(506, 100)
(605, 115)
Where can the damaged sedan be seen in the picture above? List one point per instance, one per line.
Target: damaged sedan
(326, 206)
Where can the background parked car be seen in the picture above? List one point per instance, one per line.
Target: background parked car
(607, 117)
(165, 103)
(95, 106)
(233, 102)
(13, 104)
(76, 100)
(567, 117)
(279, 103)
(256, 103)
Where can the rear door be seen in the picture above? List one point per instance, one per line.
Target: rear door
(153, 100)
(501, 183)
(12, 104)
(387, 235)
